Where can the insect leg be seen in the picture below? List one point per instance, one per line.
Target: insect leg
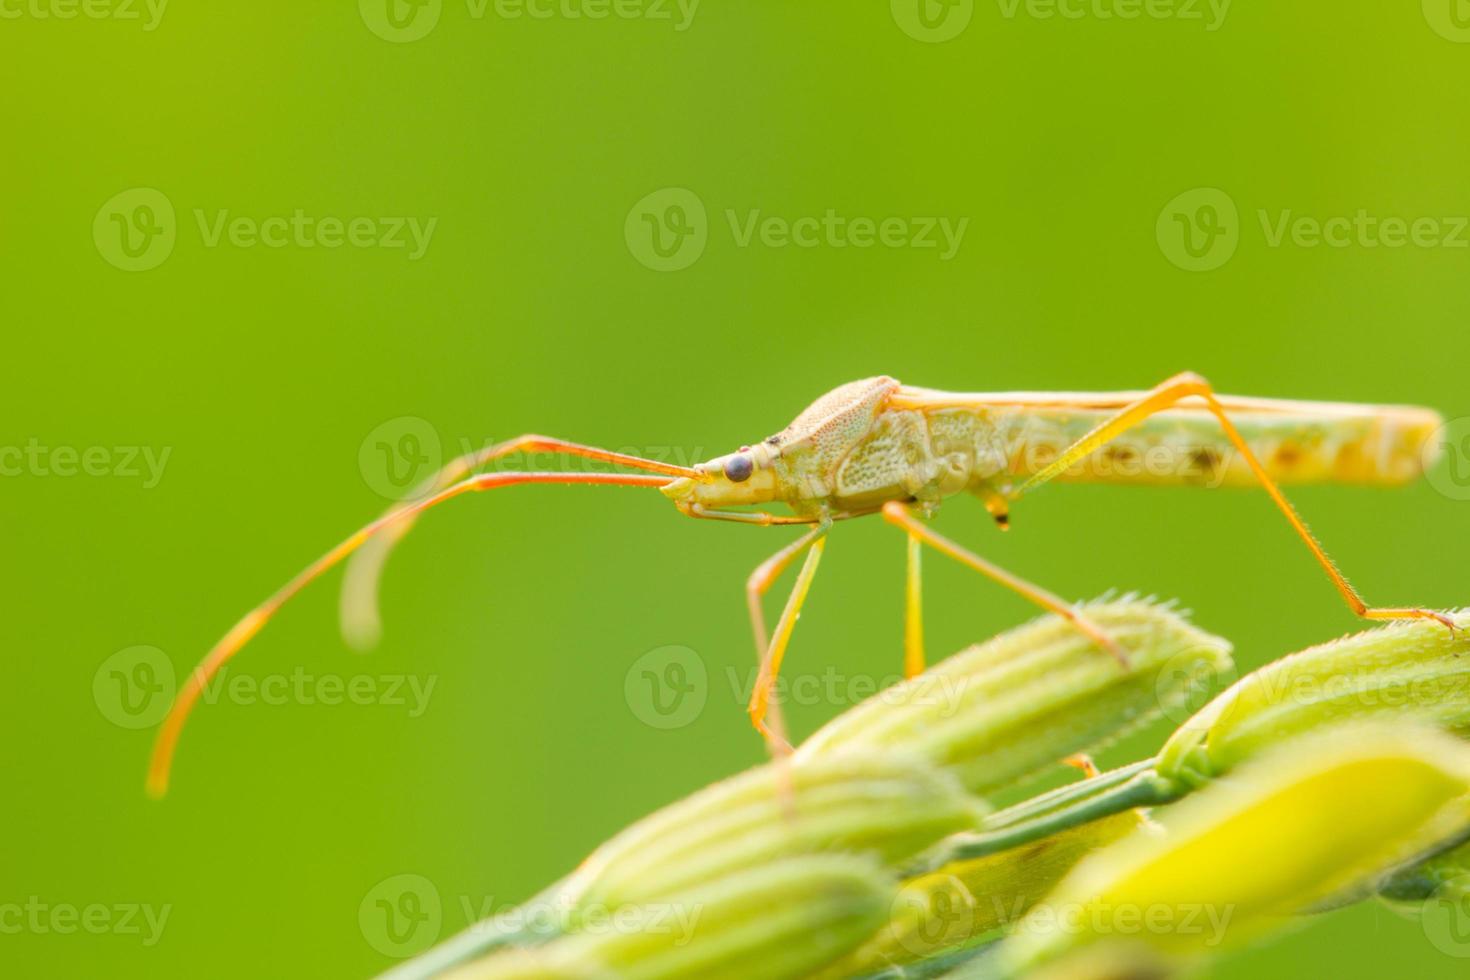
(1190, 385)
(756, 586)
(896, 512)
(361, 625)
(913, 619)
(772, 652)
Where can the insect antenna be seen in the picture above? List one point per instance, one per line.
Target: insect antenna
(253, 621)
(361, 624)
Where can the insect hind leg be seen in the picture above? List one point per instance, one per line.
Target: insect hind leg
(1191, 385)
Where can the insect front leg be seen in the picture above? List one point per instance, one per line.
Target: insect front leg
(770, 652)
(1191, 385)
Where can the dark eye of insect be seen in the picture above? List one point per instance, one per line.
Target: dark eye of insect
(738, 469)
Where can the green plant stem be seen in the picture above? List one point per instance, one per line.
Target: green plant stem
(1064, 795)
(1140, 788)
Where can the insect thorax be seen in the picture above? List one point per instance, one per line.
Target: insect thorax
(921, 455)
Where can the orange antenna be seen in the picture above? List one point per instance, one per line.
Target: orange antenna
(253, 621)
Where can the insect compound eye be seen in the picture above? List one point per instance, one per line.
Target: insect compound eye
(738, 468)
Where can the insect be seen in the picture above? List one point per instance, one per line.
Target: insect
(880, 447)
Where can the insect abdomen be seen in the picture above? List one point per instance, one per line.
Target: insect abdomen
(1311, 443)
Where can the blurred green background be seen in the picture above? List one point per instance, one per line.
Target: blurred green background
(271, 374)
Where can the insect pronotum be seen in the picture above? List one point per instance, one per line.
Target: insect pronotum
(880, 447)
